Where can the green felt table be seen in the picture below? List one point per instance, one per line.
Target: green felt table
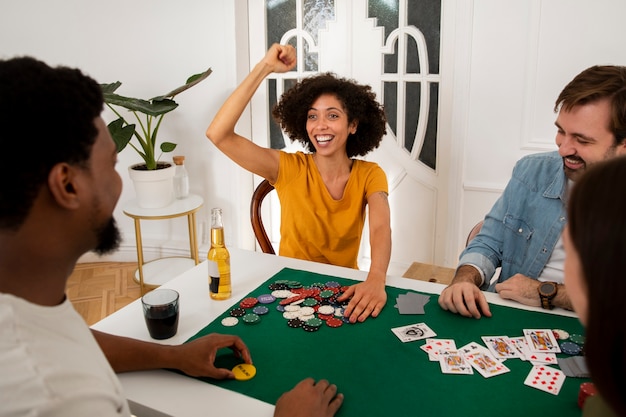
(380, 375)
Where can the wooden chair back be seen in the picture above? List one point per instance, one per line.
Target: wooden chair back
(261, 191)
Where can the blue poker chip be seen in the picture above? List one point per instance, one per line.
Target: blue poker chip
(570, 348)
(266, 298)
(260, 310)
(280, 308)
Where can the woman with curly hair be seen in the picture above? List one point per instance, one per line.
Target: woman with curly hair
(323, 193)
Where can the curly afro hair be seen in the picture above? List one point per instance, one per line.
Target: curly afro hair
(359, 102)
(48, 117)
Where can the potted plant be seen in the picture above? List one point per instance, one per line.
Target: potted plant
(151, 175)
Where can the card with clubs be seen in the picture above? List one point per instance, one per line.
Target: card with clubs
(541, 340)
(434, 347)
(453, 362)
(501, 347)
(485, 363)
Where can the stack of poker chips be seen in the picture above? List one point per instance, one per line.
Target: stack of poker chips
(307, 308)
(587, 389)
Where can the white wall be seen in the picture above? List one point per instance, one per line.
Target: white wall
(513, 57)
(522, 53)
(151, 46)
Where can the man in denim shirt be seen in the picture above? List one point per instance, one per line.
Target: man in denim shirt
(522, 232)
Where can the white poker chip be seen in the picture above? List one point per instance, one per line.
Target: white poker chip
(282, 293)
(292, 307)
(230, 321)
(307, 311)
(326, 310)
(307, 317)
(291, 315)
(561, 334)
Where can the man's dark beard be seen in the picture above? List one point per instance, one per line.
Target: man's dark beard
(108, 238)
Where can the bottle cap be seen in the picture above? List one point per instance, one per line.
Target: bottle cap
(178, 160)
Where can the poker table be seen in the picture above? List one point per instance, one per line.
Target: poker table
(378, 374)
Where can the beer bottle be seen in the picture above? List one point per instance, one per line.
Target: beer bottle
(218, 259)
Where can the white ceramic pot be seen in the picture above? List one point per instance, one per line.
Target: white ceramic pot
(154, 188)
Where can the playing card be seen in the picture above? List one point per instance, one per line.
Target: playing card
(413, 332)
(542, 358)
(411, 303)
(545, 378)
(485, 363)
(453, 362)
(574, 366)
(434, 347)
(500, 347)
(472, 347)
(520, 345)
(541, 340)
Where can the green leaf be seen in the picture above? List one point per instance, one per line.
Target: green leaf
(168, 146)
(191, 81)
(110, 88)
(153, 108)
(121, 134)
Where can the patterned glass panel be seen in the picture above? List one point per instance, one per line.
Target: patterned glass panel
(390, 92)
(411, 113)
(296, 22)
(426, 16)
(412, 35)
(281, 17)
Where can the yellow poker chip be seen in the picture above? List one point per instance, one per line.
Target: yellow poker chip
(244, 371)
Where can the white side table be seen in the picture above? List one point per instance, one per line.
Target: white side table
(157, 272)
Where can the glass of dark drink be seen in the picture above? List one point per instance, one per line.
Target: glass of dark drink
(160, 309)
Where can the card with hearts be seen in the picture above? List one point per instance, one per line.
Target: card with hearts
(434, 347)
(545, 378)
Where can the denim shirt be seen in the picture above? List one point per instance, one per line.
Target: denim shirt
(524, 225)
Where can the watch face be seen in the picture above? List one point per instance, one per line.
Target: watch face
(547, 288)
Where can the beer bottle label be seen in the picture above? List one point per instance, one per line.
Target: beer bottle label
(214, 274)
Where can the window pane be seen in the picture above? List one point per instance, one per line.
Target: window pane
(428, 155)
(426, 16)
(386, 13)
(411, 114)
(390, 94)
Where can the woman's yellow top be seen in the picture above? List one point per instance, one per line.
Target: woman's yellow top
(314, 226)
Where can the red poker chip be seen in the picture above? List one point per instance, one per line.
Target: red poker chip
(248, 302)
(587, 389)
(334, 322)
(292, 299)
(324, 316)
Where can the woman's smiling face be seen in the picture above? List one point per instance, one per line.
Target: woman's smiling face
(328, 126)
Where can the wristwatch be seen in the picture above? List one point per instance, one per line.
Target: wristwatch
(547, 292)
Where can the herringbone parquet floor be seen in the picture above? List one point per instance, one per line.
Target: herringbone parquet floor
(99, 289)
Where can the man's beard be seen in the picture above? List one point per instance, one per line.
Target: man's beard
(109, 238)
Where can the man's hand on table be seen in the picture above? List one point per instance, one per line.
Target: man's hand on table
(520, 288)
(366, 298)
(463, 296)
(309, 399)
(197, 358)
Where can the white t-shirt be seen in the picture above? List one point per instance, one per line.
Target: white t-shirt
(51, 365)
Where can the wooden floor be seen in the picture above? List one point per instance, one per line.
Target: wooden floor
(99, 289)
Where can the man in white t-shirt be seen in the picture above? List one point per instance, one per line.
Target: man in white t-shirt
(57, 203)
